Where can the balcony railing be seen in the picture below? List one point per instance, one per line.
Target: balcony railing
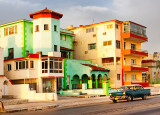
(110, 64)
(134, 67)
(135, 52)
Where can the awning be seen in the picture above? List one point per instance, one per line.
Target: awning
(67, 49)
(96, 68)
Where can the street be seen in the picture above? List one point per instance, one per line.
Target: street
(151, 106)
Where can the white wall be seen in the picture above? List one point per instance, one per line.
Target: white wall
(1, 62)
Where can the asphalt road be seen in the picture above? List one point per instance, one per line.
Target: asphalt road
(151, 106)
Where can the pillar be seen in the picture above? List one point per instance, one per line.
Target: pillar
(70, 85)
(90, 83)
(105, 88)
(96, 83)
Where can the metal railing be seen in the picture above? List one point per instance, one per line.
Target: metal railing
(76, 86)
(139, 50)
(99, 85)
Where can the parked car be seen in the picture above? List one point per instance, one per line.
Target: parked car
(129, 92)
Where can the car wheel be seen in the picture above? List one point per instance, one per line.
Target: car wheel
(129, 98)
(114, 101)
(144, 97)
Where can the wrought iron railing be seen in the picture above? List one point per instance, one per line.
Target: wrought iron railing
(76, 86)
(99, 85)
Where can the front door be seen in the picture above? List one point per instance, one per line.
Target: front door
(5, 90)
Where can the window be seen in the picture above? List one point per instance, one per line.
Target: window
(125, 77)
(133, 47)
(10, 31)
(27, 53)
(11, 53)
(64, 37)
(109, 26)
(133, 76)
(46, 27)
(133, 62)
(116, 26)
(118, 76)
(94, 35)
(9, 67)
(31, 64)
(55, 28)
(89, 30)
(91, 46)
(55, 66)
(124, 45)
(37, 28)
(23, 64)
(55, 48)
(108, 60)
(107, 43)
(118, 44)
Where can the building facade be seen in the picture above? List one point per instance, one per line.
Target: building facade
(153, 64)
(113, 44)
(40, 53)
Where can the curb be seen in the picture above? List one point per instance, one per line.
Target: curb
(31, 108)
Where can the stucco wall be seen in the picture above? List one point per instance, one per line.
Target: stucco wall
(22, 73)
(1, 62)
(17, 41)
(22, 91)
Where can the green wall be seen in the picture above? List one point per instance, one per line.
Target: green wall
(74, 67)
(21, 42)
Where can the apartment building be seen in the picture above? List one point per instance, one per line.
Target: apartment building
(153, 64)
(114, 44)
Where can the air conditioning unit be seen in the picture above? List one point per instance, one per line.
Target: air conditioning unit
(86, 52)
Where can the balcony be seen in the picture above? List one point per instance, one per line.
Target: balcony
(136, 68)
(134, 37)
(137, 52)
(134, 32)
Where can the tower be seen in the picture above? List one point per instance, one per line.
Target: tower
(46, 31)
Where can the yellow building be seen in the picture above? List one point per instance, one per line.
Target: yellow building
(113, 44)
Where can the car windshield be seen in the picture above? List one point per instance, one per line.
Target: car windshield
(127, 88)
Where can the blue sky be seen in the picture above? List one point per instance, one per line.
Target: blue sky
(82, 12)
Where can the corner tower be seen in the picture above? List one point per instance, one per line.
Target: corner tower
(46, 31)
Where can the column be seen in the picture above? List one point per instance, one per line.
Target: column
(96, 81)
(90, 83)
(105, 88)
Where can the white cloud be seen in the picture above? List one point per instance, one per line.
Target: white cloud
(90, 8)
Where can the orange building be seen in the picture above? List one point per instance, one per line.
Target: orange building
(114, 44)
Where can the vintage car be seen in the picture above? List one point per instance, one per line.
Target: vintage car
(129, 92)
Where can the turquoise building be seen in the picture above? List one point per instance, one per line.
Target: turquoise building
(42, 35)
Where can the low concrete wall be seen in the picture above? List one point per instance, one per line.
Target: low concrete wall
(93, 91)
(22, 91)
(154, 85)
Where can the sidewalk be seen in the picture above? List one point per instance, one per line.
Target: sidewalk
(41, 105)
(62, 102)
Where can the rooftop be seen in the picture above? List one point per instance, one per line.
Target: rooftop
(46, 11)
(96, 68)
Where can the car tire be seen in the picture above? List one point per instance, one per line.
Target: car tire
(114, 101)
(129, 98)
(144, 97)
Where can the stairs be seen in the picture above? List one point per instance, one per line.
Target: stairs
(7, 96)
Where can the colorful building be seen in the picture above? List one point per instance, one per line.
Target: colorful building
(153, 64)
(39, 53)
(113, 44)
(4, 82)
